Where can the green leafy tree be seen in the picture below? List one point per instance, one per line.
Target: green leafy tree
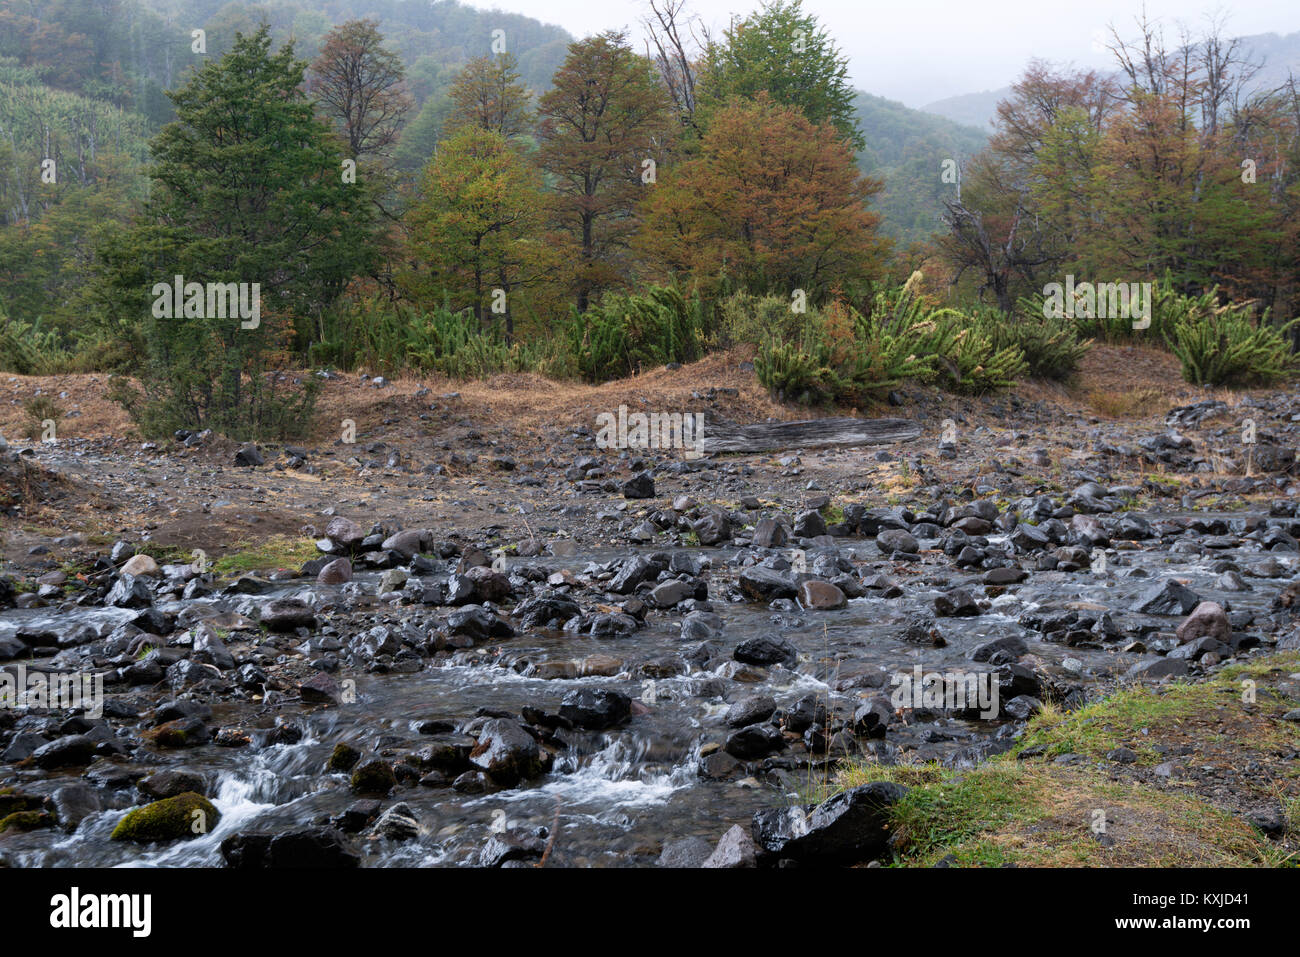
(477, 226)
(785, 51)
(248, 187)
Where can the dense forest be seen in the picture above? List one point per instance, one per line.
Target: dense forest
(436, 187)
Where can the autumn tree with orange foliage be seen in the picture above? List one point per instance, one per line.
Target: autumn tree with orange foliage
(360, 86)
(772, 202)
(605, 124)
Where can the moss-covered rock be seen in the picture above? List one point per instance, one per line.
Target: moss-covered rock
(181, 817)
(374, 777)
(12, 801)
(26, 821)
(181, 733)
(343, 759)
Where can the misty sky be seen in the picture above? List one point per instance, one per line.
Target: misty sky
(925, 50)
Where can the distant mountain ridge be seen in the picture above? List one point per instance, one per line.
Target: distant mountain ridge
(1281, 55)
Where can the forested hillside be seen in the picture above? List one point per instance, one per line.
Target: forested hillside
(434, 186)
(906, 148)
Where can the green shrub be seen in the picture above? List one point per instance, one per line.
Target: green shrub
(748, 319)
(798, 373)
(625, 335)
(27, 349)
(842, 355)
(962, 357)
(382, 338)
(1225, 347)
(38, 410)
(1050, 346)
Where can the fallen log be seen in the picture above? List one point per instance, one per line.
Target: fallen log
(771, 436)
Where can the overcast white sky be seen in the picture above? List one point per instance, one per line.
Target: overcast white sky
(924, 50)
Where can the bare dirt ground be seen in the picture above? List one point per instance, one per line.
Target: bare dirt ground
(487, 457)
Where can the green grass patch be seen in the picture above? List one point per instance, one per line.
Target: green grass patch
(277, 552)
(1041, 815)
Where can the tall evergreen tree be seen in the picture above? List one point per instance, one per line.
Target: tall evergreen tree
(248, 187)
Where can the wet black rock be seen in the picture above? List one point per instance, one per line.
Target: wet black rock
(165, 784)
(871, 719)
(129, 592)
(512, 846)
(398, 823)
(1167, 598)
(69, 751)
(1000, 650)
(507, 752)
(1158, 668)
(846, 829)
(754, 741)
(893, 541)
(750, 709)
(478, 623)
(765, 584)
(766, 650)
(208, 648)
(321, 688)
(634, 571)
(958, 603)
(546, 610)
(1022, 707)
(595, 709)
(357, 816)
(309, 847)
(804, 713)
(73, 803)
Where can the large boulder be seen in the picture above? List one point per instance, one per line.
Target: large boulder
(850, 827)
(1207, 620)
(182, 817)
(595, 708)
(766, 584)
(1167, 598)
(129, 592)
(506, 752)
(821, 596)
(766, 650)
(345, 533)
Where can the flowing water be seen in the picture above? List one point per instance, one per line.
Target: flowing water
(618, 795)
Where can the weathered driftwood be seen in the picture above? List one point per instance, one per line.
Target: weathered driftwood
(766, 437)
